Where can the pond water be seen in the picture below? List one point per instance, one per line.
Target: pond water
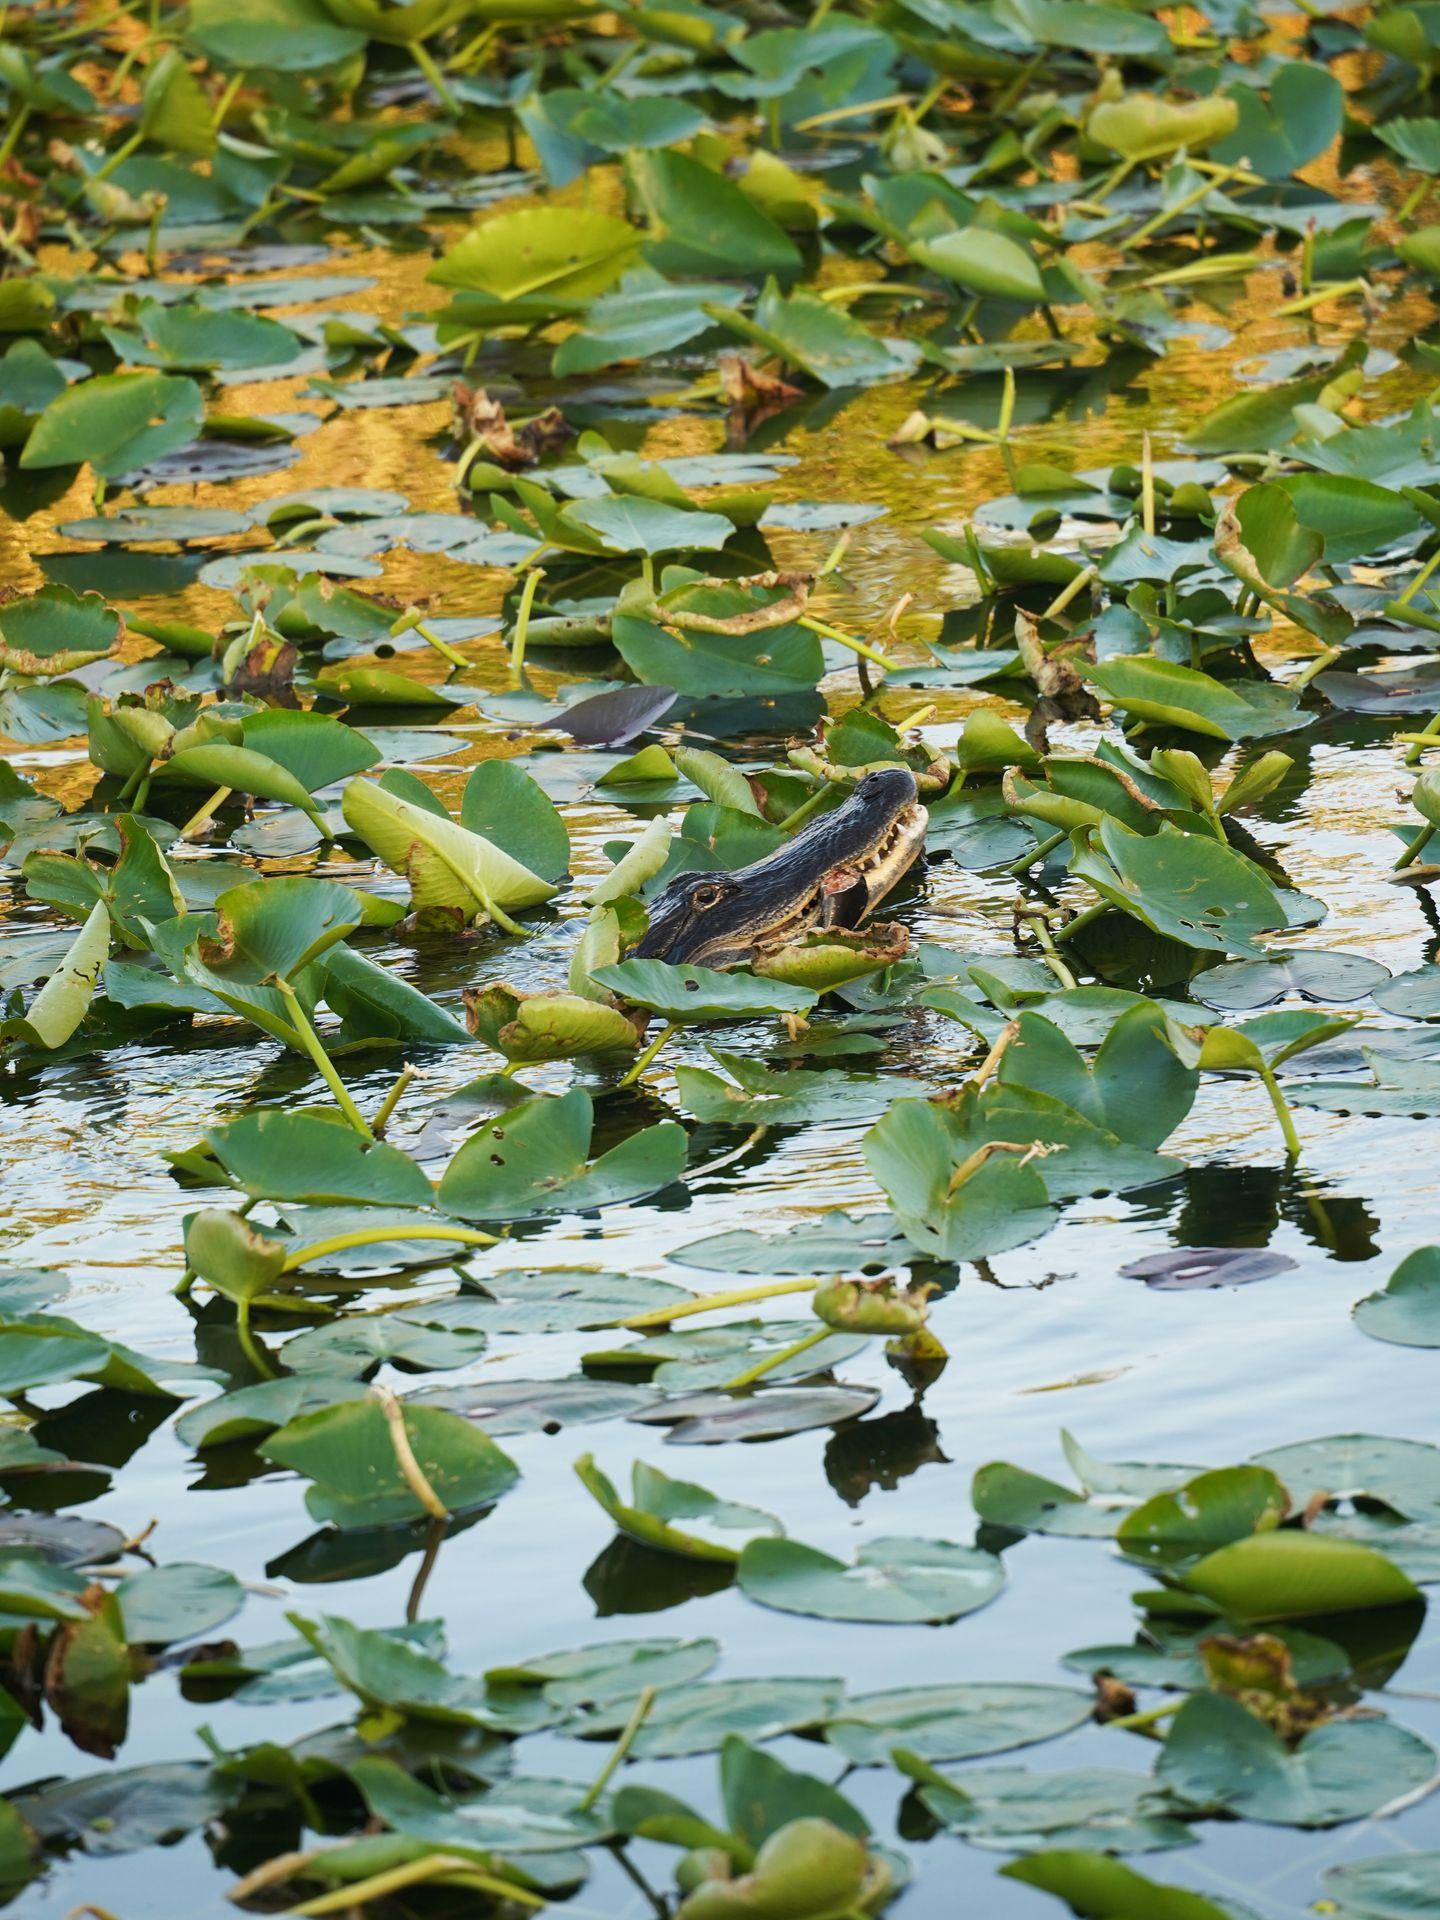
(1048, 1336)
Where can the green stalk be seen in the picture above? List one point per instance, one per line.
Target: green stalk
(1282, 1113)
(202, 814)
(1416, 616)
(358, 1894)
(622, 1746)
(1083, 920)
(1419, 580)
(1138, 1722)
(807, 808)
(412, 621)
(1430, 731)
(714, 1302)
(1316, 665)
(500, 917)
(420, 54)
(249, 1345)
(522, 621)
(378, 1236)
(310, 1040)
(226, 100)
(827, 632)
(1411, 201)
(1041, 851)
(391, 1101)
(117, 159)
(1337, 290)
(1073, 588)
(629, 1079)
(13, 132)
(1414, 848)
(1052, 957)
(771, 1361)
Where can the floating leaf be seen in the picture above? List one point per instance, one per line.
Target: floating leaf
(890, 1580)
(1406, 1310)
(1218, 1757)
(953, 1721)
(657, 1502)
(348, 1452)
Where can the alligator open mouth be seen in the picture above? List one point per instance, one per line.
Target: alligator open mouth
(834, 874)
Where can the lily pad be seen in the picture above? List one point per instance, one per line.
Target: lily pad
(890, 1580)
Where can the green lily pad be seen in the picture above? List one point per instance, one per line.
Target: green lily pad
(953, 1721)
(1218, 1757)
(348, 1454)
(534, 1160)
(1406, 1310)
(1400, 1887)
(700, 993)
(890, 1580)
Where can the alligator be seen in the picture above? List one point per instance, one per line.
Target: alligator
(833, 874)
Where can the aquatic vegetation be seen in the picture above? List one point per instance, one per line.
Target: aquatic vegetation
(460, 735)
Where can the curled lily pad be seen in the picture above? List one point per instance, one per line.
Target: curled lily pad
(658, 1503)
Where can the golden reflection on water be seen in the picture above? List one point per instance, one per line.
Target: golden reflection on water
(1078, 420)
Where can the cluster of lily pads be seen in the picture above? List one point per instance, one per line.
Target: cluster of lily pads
(1009, 204)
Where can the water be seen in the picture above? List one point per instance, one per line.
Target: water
(1052, 1336)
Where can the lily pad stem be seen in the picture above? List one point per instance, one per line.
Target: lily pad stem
(249, 1345)
(1282, 1113)
(1140, 1722)
(1041, 851)
(420, 54)
(379, 1236)
(499, 915)
(310, 1040)
(140, 773)
(1052, 958)
(522, 621)
(1337, 290)
(18, 123)
(806, 809)
(1406, 210)
(629, 1079)
(410, 1469)
(1068, 592)
(227, 100)
(752, 1138)
(202, 814)
(773, 1360)
(715, 1302)
(412, 621)
(1083, 919)
(1317, 665)
(827, 632)
(116, 159)
(1430, 731)
(391, 1101)
(622, 1746)
(357, 1894)
(1414, 847)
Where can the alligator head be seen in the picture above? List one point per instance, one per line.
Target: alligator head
(834, 874)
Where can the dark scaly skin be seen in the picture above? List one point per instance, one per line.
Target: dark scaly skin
(833, 874)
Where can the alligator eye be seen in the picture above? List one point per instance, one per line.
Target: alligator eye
(705, 897)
